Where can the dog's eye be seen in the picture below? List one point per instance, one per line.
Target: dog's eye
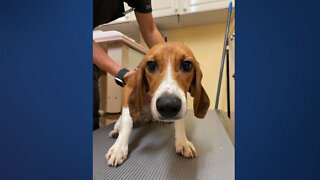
(186, 66)
(152, 66)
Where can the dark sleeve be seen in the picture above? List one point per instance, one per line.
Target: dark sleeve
(141, 6)
(105, 11)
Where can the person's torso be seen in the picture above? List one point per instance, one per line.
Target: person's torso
(105, 11)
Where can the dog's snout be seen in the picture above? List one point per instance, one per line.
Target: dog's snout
(168, 105)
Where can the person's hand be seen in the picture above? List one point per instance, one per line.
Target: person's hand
(128, 75)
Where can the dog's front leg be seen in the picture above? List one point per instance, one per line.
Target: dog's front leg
(183, 145)
(118, 153)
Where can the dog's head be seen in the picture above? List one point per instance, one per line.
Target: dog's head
(168, 72)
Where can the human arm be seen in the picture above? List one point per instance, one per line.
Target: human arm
(149, 30)
(104, 62)
(150, 34)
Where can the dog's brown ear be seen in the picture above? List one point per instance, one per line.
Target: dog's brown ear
(201, 100)
(138, 92)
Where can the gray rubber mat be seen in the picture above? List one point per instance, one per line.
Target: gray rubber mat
(152, 152)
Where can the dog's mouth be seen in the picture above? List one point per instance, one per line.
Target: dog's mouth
(157, 121)
(171, 119)
(159, 118)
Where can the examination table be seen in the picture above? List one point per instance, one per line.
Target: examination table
(152, 151)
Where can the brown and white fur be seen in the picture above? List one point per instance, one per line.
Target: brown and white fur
(169, 80)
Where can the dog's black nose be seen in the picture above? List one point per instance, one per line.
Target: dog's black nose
(168, 105)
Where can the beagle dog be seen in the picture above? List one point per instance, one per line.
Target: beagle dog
(158, 91)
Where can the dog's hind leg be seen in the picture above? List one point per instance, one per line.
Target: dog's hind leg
(118, 153)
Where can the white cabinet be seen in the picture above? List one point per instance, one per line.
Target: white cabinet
(161, 8)
(169, 14)
(125, 53)
(192, 6)
(175, 7)
(164, 8)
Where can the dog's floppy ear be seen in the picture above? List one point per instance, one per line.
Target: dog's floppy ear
(201, 100)
(138, 92)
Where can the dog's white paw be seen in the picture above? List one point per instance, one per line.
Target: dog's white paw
(186, 149)
(117, 154)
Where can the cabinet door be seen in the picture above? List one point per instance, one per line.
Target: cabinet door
(191, 6)
(165, 8)
(231, 78)
(117, 51)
